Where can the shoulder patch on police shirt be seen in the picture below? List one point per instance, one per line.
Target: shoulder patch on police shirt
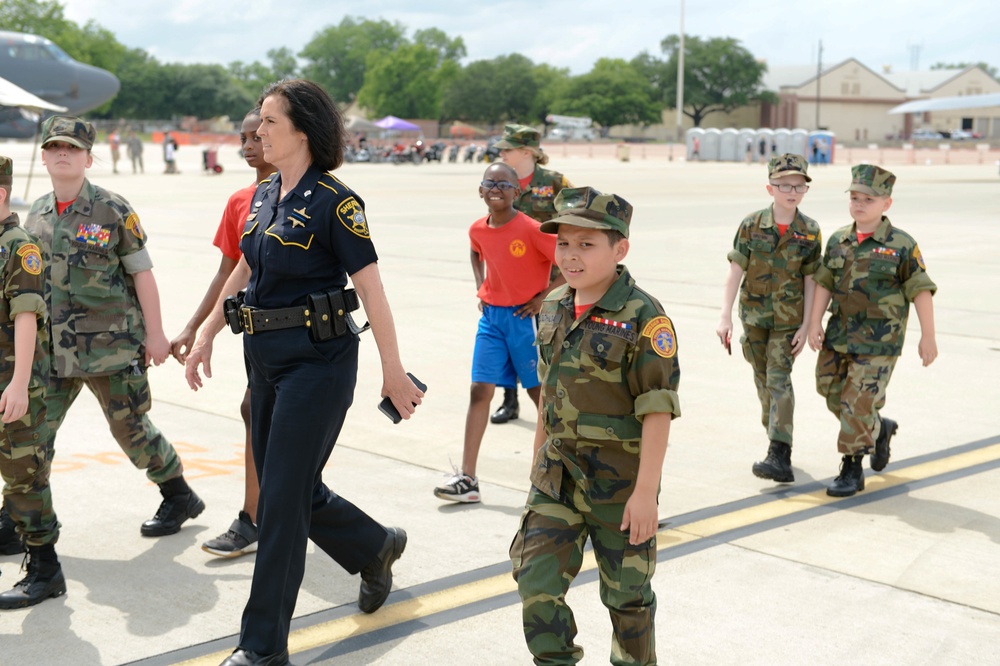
(352, 216)
(660, 331)
(132, 224)
(31, 258)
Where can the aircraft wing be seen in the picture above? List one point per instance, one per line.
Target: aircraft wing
(948, 103)
(12, 95)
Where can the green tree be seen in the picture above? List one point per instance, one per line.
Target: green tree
(336, 56)
(436, 40)
(658, 73)
(144, 89)
(989, 69)
(719, 75)
(552, 84)
(613, 93)
(39, 17)
(205, 91)
(501, 89)
(404, 82)
(283, 63)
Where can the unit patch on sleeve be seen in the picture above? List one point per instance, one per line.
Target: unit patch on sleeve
(352, 216)
(31, 258)
(661, 333)
(132, 224)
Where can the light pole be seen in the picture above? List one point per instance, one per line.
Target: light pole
(680, 80)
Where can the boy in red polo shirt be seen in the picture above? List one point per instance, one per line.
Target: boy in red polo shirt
(511, 261)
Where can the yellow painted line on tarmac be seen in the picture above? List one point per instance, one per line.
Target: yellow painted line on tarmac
(327, 633)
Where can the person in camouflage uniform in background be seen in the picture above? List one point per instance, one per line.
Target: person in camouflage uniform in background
(871, 272)
(104, 313)
(609, 372)
(521, 149)
(24, 435)
(777, 250)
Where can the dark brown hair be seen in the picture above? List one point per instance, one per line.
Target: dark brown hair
(313, 113)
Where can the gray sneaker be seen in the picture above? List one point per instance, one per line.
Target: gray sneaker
(239, 540)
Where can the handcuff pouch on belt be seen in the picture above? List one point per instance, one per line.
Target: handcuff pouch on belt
(231, 309)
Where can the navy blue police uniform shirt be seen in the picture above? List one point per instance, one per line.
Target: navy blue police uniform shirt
(308, 242)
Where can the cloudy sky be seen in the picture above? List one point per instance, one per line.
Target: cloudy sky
(570, 33)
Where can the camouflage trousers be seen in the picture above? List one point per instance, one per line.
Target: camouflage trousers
(25, 462)
(769, 353)
(125, 400)
(547, 554)
(854, 387)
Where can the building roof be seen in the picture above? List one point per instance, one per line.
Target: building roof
(913, 83)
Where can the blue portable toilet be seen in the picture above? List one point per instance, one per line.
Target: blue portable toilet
(821, 147)
(799, 142)
(783, 138)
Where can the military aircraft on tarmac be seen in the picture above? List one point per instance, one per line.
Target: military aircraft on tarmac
(36, 65)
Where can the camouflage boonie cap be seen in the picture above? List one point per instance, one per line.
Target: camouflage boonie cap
(586, 207)
(69, 129)
(788, 164)
(518, 136)
(871, 179)
(6, 170)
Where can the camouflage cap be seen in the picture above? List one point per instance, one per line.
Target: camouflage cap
(6, 170)
(871, 179)
(68, 129)
(586, 207)
(788, 164)
(518, 136)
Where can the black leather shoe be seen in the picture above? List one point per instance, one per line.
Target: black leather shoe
(376, 578)
(241, 657)
(777, 466)
(44, 581)
(851, 478)
(173, 511)
(505, 413)
(880, 458)
(10, 540)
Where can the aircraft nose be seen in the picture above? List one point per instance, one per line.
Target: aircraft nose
(95, 86)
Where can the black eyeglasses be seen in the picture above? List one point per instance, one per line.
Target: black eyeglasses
(501, 185)
(800, 189)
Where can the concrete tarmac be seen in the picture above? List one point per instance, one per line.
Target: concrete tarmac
(905, 572)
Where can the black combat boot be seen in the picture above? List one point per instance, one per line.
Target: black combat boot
(179, 503)
(44, 580)
(880, 458)
(851, 479)
(777, 466)
(509, 410)
(10, 540)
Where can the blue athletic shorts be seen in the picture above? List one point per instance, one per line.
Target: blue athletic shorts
(505, 349)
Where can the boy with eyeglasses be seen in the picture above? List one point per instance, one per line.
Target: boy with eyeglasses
(775, 253)
(511, 262)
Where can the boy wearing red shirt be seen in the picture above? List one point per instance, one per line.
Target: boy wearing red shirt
(511, 261)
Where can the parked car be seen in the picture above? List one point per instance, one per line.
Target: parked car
(961, 135)
(560, 133)
(926, 135)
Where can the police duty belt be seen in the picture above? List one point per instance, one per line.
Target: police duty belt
(326, 315)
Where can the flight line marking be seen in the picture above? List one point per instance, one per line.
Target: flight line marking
(782, 507)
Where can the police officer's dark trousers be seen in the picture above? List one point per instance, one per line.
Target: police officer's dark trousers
(300, 391)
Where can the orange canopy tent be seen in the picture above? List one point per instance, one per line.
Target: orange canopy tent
(465, 131)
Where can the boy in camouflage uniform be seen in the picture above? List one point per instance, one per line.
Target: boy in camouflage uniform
(777, 249)
(104, 313)
(25, 448)
(871, 272)
(521, 149)
(608, 365)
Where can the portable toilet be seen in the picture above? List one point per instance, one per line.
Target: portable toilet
(799, 142)
(710, 145)
(691, 136)
(765, 134)
(728, 152)
(821, 146)
(783, 139)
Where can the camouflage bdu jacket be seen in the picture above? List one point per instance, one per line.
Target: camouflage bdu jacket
(538, 199)
(872, 286)
(90, 253)
(772, 294)
(23, 286)
(600, 375)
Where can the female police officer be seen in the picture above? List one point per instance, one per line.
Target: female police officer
(305, 233)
